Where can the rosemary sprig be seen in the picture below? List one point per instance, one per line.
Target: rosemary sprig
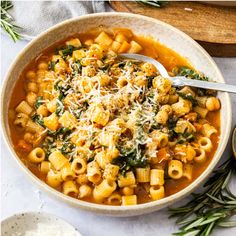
(153, 3)
(6, 21)
(209, 209)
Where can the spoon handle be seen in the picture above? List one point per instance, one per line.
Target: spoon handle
(182, 81)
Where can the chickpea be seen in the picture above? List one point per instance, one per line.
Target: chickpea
(31, 75)
(43, 65)
(128, 191)
(173, 98)
(32, 87)
(140, 81)
(29, 137)
(31, 98)
(167, 108)
(162, 117)
(212, 104)
(149, 69)
(40, 74)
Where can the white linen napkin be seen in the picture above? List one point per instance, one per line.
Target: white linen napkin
(36, 16)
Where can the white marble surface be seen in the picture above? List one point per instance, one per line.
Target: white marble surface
(19, 194)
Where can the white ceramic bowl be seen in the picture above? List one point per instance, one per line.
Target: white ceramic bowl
(166, 34)
(20, 223)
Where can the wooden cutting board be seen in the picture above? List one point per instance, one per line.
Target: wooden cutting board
(214, 27)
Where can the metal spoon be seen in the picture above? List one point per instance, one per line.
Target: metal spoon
(181, 80)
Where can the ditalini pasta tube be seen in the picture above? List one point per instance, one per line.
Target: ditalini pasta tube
(175, 169)
(37, 155)
(143, 175)
(205, 143)
(85, 191)
(157, 192)
(129, 200)
(69, 188)
(54, 179)
(58, 160)
(114, 199)
(157, 177)
(104, 190)
(126, 180)
(79, 165)
(188, 171)
(93, 172)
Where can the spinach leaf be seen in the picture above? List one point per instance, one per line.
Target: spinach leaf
(121, 64)
(188, 97)
(51, 65)
(90, 159)
(38, 102)
(130, 159)
(68, 50)
(60, 107)
(62, 88)
(48, 146)
(106, 68)
(64, 132)
(38, 119)
(171, 123)
(68, 148)
(77, 67)
(191, 74)
(150, 79)
(185, 137)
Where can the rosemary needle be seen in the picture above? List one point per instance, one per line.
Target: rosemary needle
(209, 209)
(6, 21)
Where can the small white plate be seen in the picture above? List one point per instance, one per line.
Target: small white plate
(19, 224)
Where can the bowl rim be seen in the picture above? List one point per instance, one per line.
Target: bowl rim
(108, 209)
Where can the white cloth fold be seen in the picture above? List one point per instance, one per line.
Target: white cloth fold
(36, 16)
